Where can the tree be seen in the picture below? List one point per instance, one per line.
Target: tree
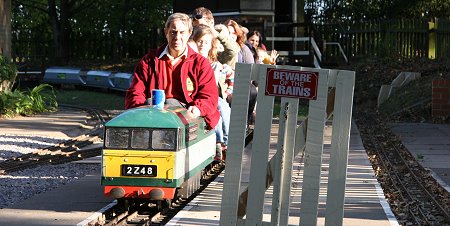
(120, 21)
(338, 10)
(7, 70)
(7, 74)
(59, 14)
(5, 28)
(59, 19)
(126, 23)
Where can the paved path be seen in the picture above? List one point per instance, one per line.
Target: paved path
(60, 124)
(429, 144)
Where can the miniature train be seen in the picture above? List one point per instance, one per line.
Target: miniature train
(155, 154)
(147, 153)
(90, 78)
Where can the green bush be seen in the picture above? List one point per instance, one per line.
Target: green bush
(40, 99)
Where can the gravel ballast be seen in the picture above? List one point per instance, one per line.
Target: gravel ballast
(18, 186)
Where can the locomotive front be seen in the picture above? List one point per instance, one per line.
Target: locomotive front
(152, 154)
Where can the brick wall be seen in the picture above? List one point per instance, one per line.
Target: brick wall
(440, 105)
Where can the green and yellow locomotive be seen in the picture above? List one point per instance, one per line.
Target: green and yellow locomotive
(155, 154)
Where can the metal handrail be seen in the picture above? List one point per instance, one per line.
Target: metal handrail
(340, 49)
(317, 53)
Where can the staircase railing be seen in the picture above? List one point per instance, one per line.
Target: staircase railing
(309, 41)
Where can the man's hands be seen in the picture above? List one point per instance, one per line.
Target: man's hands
(194, 111)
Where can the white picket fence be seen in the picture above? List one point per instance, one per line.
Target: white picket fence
(334, 98)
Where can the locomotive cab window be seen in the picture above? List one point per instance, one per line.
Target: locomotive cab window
(164, 139)
(116, 138)
(140, 138)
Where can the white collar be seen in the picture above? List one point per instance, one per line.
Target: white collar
(166, 52)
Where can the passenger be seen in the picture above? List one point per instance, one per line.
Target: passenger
(186, 77)
(265, 58)
(262, 55)
(244, 56)
(228, 48)
(236, 33)
(244, 30)
(206, 45)
(254, 39)
(253, 42)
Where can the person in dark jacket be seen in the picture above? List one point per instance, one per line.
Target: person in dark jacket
(184, 75)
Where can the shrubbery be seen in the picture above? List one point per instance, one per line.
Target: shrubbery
(40, 99)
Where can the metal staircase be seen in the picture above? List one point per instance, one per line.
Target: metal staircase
(309, 56)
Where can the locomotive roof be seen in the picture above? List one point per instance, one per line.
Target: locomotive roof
(147, 117)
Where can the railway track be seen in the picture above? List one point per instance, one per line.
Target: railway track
(71, 150)
(123, 213)
(132, 212)
(129, 212)
(414, 195)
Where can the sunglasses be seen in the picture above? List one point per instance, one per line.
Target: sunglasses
(198, 16)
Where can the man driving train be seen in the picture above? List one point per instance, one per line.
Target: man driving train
(185, 76)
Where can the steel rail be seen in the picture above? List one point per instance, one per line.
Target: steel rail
(407, 175)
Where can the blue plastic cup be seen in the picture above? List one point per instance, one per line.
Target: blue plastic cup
(158, 98)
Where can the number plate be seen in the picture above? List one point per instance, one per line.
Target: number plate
(139, 170)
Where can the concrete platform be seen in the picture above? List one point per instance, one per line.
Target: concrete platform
(364, 200)
(430, 145)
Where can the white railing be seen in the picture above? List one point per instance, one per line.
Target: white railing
(340, 49)
(334, 97)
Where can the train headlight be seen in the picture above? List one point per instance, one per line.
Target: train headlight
(116, 138)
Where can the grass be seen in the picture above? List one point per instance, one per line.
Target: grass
(89, 98)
